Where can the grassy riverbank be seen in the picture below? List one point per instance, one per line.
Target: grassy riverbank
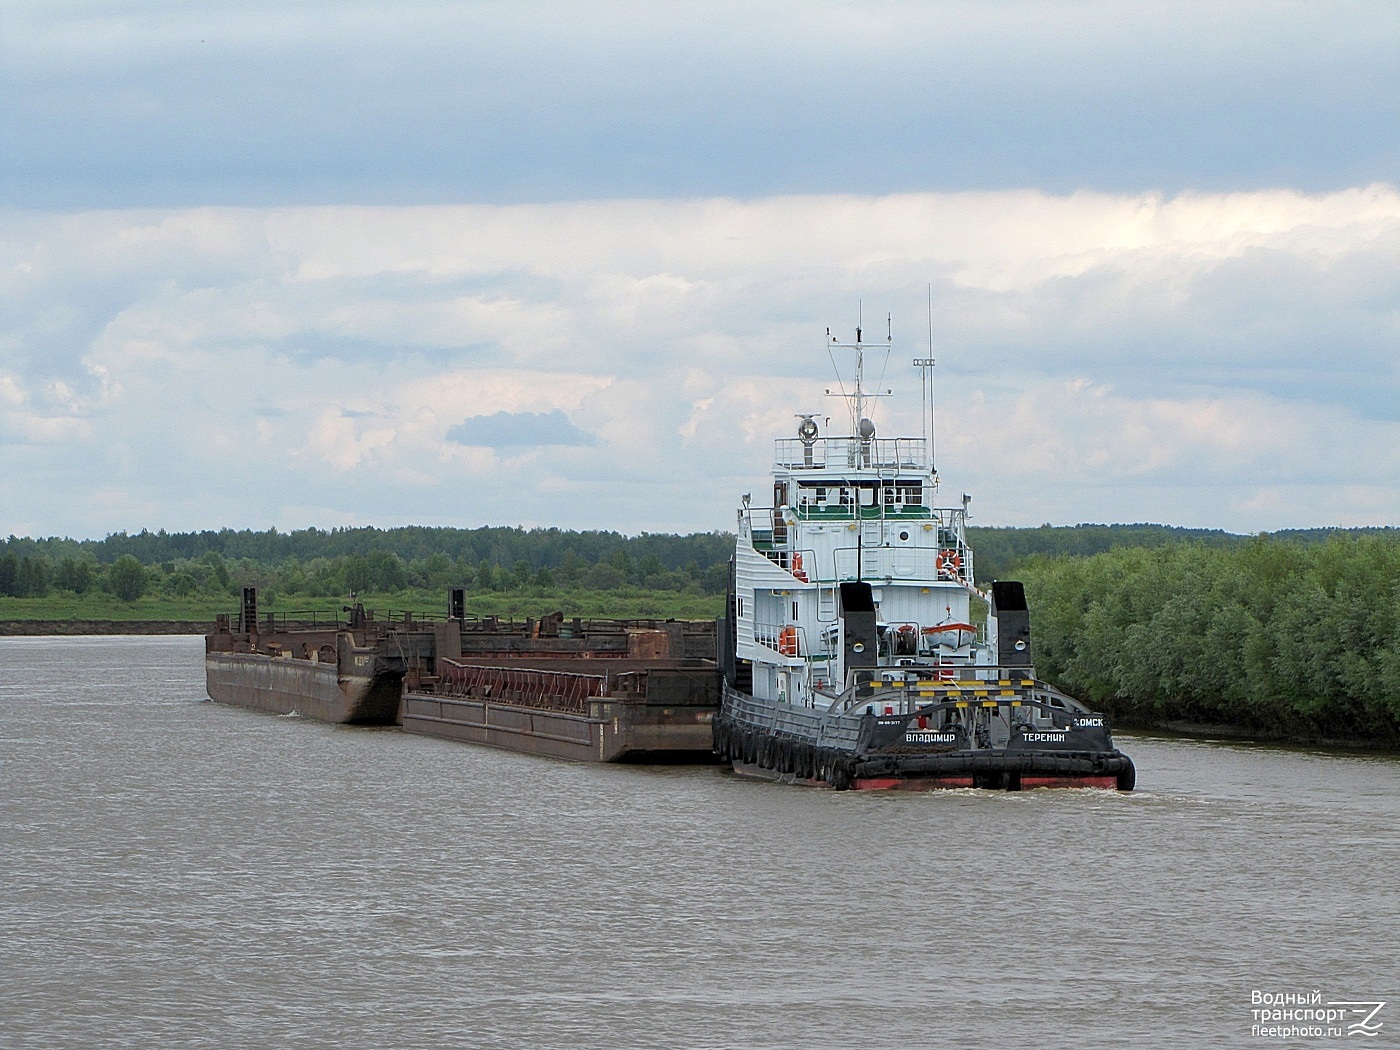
(42, 615)
(104, 608)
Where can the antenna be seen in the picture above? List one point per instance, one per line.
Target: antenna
(926, 384)
(858, 396)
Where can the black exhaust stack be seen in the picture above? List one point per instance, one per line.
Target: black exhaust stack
(248, 614)
(1013, 623)
(858, 615)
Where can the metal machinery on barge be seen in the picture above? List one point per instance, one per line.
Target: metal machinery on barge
(327, 668)
(588, 690)
(849, 647)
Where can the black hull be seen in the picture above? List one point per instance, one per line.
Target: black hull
(789, 758)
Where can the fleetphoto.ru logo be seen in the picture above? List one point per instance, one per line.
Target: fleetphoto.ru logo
(1294, 1015)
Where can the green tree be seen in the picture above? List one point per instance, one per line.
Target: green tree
(358, 574)
(293, 578)
(217, 567)
(573, 566)
(74, 574)
(605, 577)
(436, 571)
(32, 580)
(485, 576)
(386, 570)
(127, 578)
(181, 583)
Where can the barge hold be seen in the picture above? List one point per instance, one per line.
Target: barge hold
(593, 691)
(327, 668)
(849, 650)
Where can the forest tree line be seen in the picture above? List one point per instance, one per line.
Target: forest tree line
(1291, 638)
(313, 563)
(320, 563)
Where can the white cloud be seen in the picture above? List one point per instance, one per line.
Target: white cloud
(1194, 359)
(1246, 461)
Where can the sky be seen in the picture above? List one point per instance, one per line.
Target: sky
(563, 264)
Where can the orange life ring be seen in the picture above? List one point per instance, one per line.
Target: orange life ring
(787, 641)
(949, 563)
(797, 569)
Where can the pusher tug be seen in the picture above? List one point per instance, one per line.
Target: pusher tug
(849, 647)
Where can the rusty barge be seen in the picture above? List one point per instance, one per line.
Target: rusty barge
(596, 690)
(587, 690)
(333, 669)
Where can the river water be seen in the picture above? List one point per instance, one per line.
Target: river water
(181, 874)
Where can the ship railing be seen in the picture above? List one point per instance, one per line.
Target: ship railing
(566, 691)
(906, 690)
(784, 637)
(339, 619)
(770, 527)
(951, 522)
(830, 511)
(406, 619)
(901, 453)
(809, 724)
(800, 561)
(953, 563)
(985, 724)
(916, 564)
(302, 620)
(1023, 712)
(578, 626)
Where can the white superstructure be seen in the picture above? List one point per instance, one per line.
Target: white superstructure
(850, 506)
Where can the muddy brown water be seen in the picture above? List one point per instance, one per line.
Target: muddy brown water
(178, 873)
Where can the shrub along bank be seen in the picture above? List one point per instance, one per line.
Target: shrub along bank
(1280, 639)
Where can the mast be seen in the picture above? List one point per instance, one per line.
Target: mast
(862, 427)
(925, 365)
(859, 396)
